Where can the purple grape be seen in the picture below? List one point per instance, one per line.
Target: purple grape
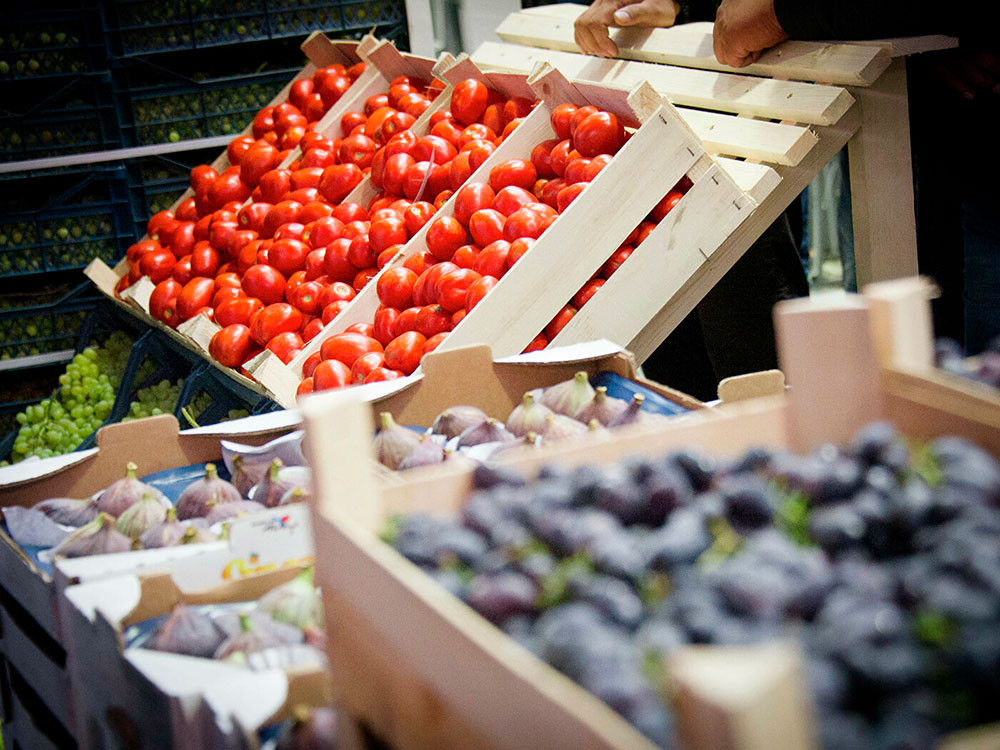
(680, 542)
(453, 542)
(748, 501)
(497, 597)
(613, 597)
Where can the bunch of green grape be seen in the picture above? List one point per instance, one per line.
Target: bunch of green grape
(82, 403)
(155, 399)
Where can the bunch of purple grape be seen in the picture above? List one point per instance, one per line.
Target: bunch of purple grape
(882, 559)
(984, 368)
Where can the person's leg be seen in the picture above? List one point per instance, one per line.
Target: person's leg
(845, 226)
(981, 227)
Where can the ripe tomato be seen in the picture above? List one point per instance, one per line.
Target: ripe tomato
(395, 287)
(231, 346)
(286, 345)
(511, 198)
(493, 118)
(448, 130)
(469, 99)
(309, 366)
(237, 310)
(460, 170)
(322, 232)
(434, 342)
(202, 176)
(279, 317)
(258, 159)
(225, 294)
(576, 170)
(334, 309)
(434, 149)
(158, 265)
(598, 133)
(364, 365)
(416, 215)
(492, 260)
(361, 278)
(335, 292)
(195, 295)
(441, 198)
(387, 231)
(358, 149)
(457, 317)
(453, 286)
(559, 322)
(537, 343)
(407, 321)
(165, 291)
(614, 262)
(287, 255)
(204, 260)
(513, 172)
(431, 278)
(384, 325)
(404, 352)
(360, 252)
(306, 177)
(479, 289)
(431, 320)
(598, 163)
(305, 387)
(306, 297)
(560, 119)
(394, 174)
(227, 187)
(587, 291)
(486, 226)
(476, 132)
(569, 194)
(337, 263)
(541, 157)
(265, 283)
(238, 147)
(471, 198)
(522, 223)
(339, 180)
(382, 373)
(465, 256)
(136, 251)
(182, 271)
(579, 116)
(479, 151)
(351, 120)
(395, 124)
(281, 213)
(347, 347)
(663, 208)
(331, 374)
(517, 249)
(275, 184)
(444, 236)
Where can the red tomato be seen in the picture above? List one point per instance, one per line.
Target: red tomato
(663, 208)
(306, 177)
(351, 120)
(360, 252)
(337, 263)
(404, 352)
(431, 320)
(493, 118)
(401, 143)
(386, 232)
(460, 170)
(434, 342)
(265, 283)
(334, 309)
(541, 157)
(165, 291)
(407, 321)
(317, 158)
(396, 169)
(281, 213)
(416, 215)
(587, 291)
(349, 213)
(382, 373)
(181, 272)
(448, 130)
(237, 310)
(560, 119)
(598, 163)
(309, 366)
(420, 262)
(431, 278)
(598, 133)
(268, 322)
(513, 172)
(441, 198)
(476, 132)
(314, 264)
(335, 292)
(288, 256)
(468, 100)
(339, 180)
(331, 374)
(434, 149)
(136, 251)
(386, 256)
(569, 194)
(231, 346)
(358, 149)
(479, 151)
(286, 345)
(465, 256)
(385, 324)
(395, 287)
(479, 289)
(347, 347)
(202, 176)
(259, 159)
(365, 329)
(522, 223)
(195, 295)
(187, 210)
(306, 297)
(579, 116)
(364, 365)
(395, 124)
(472, 198)
(274, 185)
(517, 107)
(559, 322)
(537, 343)
(492, 260)
(576, 171)
(361, 278)
(305, 387)
(237, 148)
(518, 248)
(486, 226)
(511, 198)
(159, 264)
(457, 317)
(453, 286)
(224, 294)
(444, 236)
(374, 122)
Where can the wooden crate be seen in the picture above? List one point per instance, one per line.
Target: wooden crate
(662, 150)
(427, 672)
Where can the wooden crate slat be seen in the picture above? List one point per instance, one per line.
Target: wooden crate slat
(773, 142)
(767, 98)
(690, 45)
(756, 180)
(679, 245)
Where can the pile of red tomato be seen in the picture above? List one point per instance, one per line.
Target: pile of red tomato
(494, 224)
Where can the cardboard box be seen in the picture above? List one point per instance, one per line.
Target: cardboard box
(160, 698)
(427, 672)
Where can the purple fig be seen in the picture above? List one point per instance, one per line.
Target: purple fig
(141, 516)
(393, 443)
(278, 481)
(247, 473)
(487, 431)
(249, 640)
(234, 509)
(426, 452)
(98, 537)
(311, 729)
(297, 495)
(196, 499)
(528, 416)
(602, 407)
(568, 396)
(117, 498)
(187, 632)
(169, 531)
(454, 421)
(194, 535)
(560, 427)
(69, 512)
(295, 603)
(632, 414)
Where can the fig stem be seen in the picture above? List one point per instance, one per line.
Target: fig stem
(130, 470)
(600, 394)
(171, 514)
(529, 399)
(245, 625)
(211, 472)
(386, 420)
(274, 469)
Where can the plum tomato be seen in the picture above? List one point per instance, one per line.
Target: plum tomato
(165, 291)
(516, 172)
(380, 374)
(404, 352)
(286, 345)
(587, 291)
(559, 322)
(477, 290)
(364, 365)
(471, 198)
(231, 345)
(431, 320)
(598, 133)
(511, 198)
(492, 259)
(486, 226)
(444, 236)
(332, 310)
(196, 294)
(469, 99)
(339, 180)
(433, 342)
(268, 322)
(237, 310)
(452, 286)
(665, 205)
(265, 283)
(385, 325)
(347, 347)
(307, 296)
(395, 287)
(331, 374)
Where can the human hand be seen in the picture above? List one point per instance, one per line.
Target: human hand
(591, 26)
(744, 29)
(970, 74)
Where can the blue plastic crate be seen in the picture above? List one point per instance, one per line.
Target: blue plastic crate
(55, 118)
(40, 329)
(63, 221)
(144, 27)
(54, 39)
(156, 182)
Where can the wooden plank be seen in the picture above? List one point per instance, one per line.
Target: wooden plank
(793, 181)
(756, 180)
(679, 245)
(690, 46)
(885, 233)
(726, 92)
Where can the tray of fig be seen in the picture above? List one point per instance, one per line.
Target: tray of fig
(682, 583)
